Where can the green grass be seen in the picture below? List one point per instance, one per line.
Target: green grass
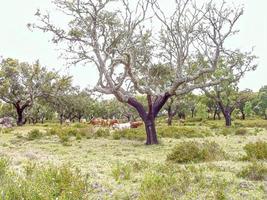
(125, 168)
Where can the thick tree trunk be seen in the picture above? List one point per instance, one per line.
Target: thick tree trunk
(149, 117)
(151, 132)
(227, 116)
(243, 115)
(20, 120)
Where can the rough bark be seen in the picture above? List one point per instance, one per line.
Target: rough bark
(149, 116)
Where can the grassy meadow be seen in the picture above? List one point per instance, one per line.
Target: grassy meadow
(195, 160)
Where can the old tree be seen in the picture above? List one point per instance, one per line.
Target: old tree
(21, 84)
(129, 51)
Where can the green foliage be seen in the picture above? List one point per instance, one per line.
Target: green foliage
(226, 131)
(44, 183)
(130, 134)
(183, 131)
(256, 171)
(102, 132)
(248, 109)
(34, 134)
(4, 164)
(257, 150)
(196, 152)
(241, 131)
(121, 172)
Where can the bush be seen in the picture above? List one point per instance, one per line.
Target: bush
(45, 183)
(3, 166)
(196, 152)
(102, 132)
(34, 134)
(241, 131)
(179, 132)
(256, 171)
(226, 131)
(130, 134)
(121, 172)
(257, 150)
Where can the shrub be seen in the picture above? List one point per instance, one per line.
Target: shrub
(241, 131)
(45, 183)
(130, 134)
(226, 131)
(196, 152)
(102, 132)
(255, 171)
(79, 125)
(34, 134)
(179, 132)
(165, 184)
(3, 166)
(121, 172)
(257, 150)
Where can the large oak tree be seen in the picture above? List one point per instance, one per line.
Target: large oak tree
(130, 44)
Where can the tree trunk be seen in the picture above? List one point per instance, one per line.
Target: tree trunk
(151, 132)
(219, 116)
(227, 116)
(169, 120)
(61, 119)
(243, 115)
(20, 121)
(214, 115)
(149, 117)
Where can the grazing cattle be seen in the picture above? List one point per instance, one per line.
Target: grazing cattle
(111, 122)
(67, 121)
(122, 126)
(104, 122)
(96, 121)
(83, 120)
(136, 124)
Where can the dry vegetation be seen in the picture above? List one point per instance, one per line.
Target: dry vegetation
(82, 162)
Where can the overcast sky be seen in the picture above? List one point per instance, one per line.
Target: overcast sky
(16, 41)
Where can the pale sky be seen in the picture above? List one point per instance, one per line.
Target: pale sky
(16, 41)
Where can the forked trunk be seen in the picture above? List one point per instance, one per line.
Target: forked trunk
(149, 117)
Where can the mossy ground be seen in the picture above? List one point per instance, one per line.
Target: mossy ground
(106, 162)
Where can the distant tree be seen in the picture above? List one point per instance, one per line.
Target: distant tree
(248, 109)
(22, 83)
(130, 57)
(262, 101)
(244, 104)
(228, 98)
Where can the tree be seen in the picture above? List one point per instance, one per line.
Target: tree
(262, 97)
(130, 57)
(22, 83)
(228, 98)
(244, 104)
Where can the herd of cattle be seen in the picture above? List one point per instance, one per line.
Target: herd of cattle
(114, 123)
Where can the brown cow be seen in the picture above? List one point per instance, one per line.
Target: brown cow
(136, 124)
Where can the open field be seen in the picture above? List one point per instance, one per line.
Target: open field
(128, 169)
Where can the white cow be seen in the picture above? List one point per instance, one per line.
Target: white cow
(83, 120)
(122, 126)
(67, 121)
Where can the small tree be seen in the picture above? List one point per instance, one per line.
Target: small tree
(22, 83)
(130, 57)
